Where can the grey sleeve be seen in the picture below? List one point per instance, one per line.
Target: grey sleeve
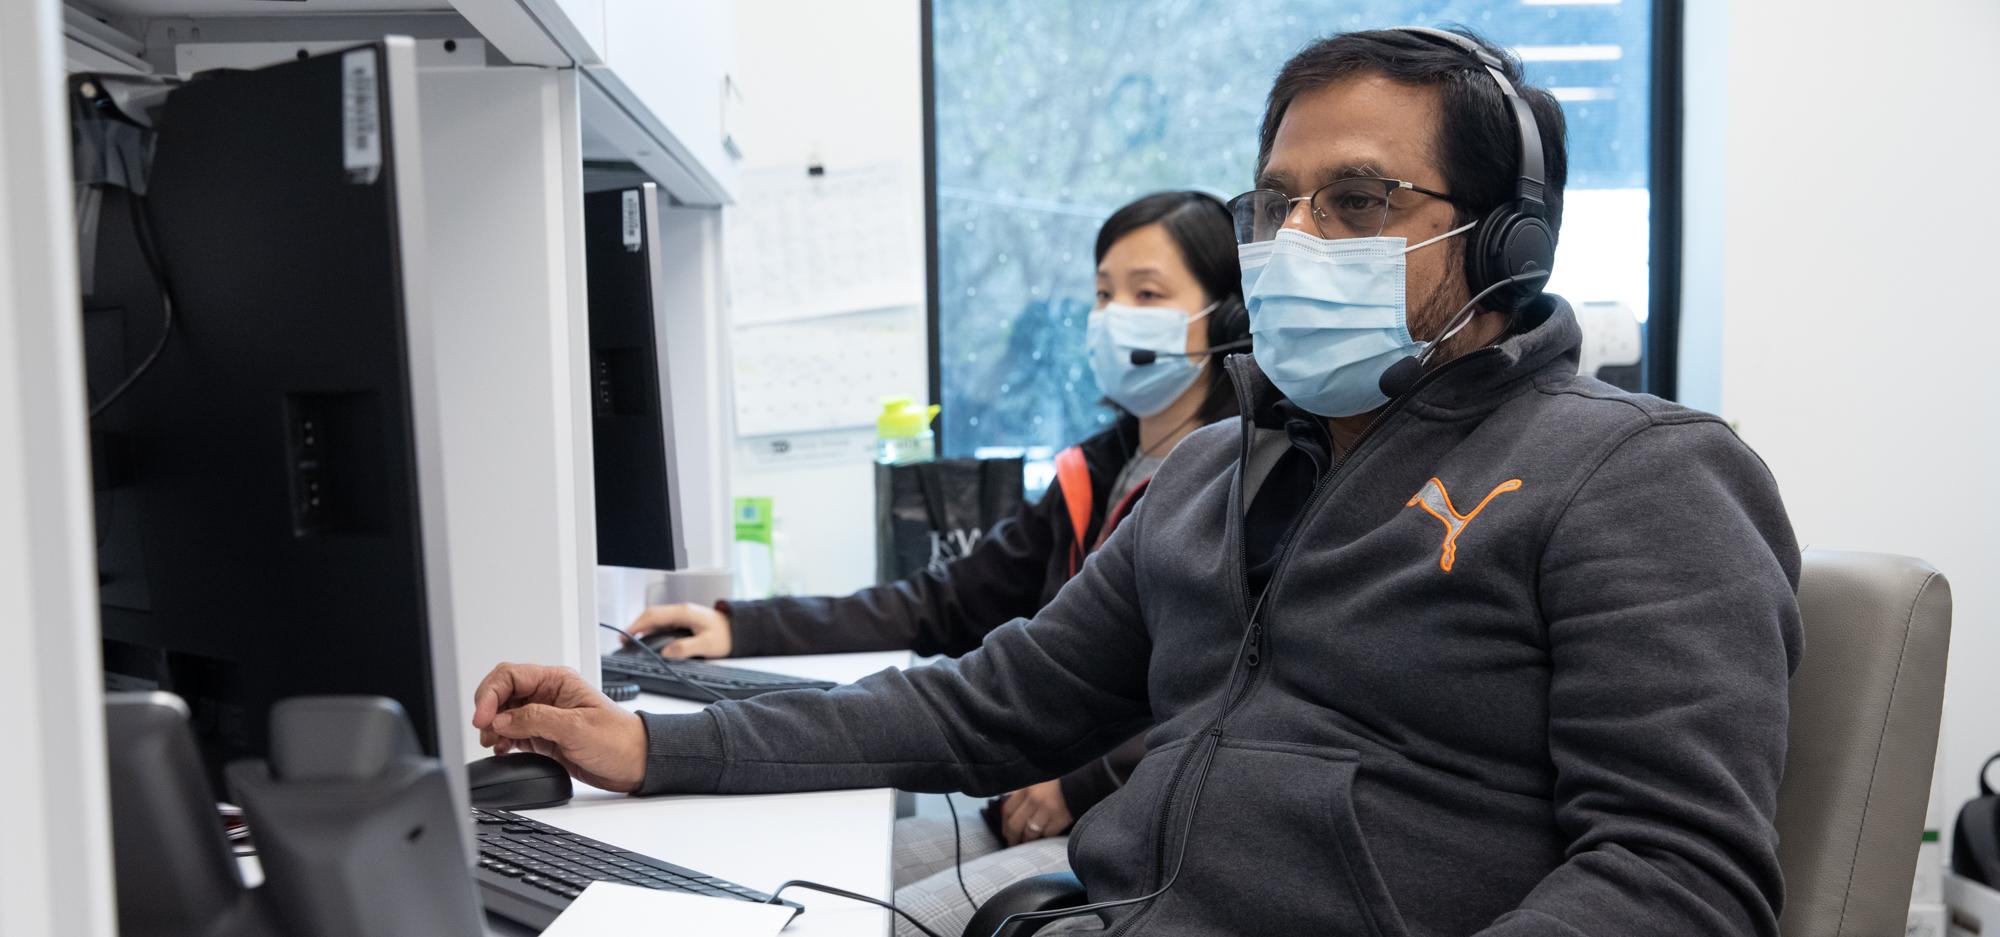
(1037, 699)
(1667, 588)
(1085, 787)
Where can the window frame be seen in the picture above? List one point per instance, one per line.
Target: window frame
(933, 287)
(1660, 368)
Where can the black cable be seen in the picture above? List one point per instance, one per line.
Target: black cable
(142, 230)
(844, 893)
(668, 663)
(958, 854)
(1214, 730)
(1180, 857)
(1460, 320)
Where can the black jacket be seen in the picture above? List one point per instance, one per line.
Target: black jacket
(1014, 570)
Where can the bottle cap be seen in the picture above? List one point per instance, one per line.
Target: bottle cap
(902, 417)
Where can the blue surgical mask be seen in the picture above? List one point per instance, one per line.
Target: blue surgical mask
(1116, 331)
(1330, 316)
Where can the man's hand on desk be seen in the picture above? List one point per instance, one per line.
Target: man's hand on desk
(709, 629)
(552, 711)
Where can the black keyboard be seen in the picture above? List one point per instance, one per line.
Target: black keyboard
(529, 872)
(655, 676)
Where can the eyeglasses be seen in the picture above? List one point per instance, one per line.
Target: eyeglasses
(1356, 207)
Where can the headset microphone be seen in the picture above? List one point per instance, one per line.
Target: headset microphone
(1144, 356)
(1402, 377)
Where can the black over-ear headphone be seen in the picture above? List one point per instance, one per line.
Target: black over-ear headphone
(1232, 318)
(1515, 241)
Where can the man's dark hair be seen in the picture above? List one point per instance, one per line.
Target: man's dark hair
(1478, 146)
(1199, 225)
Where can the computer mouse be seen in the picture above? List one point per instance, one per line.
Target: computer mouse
(517, 781)
(659, 639)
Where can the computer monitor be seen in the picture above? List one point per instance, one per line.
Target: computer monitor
(638, 509)
(260, 529)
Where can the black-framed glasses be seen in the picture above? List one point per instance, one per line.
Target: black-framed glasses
(1355, 207)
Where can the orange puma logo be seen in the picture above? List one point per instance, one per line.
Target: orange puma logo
(1434, 499)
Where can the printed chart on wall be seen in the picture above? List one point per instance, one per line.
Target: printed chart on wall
(826, 291)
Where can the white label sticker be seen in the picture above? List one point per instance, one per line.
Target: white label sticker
(360, 118)
(632, 221)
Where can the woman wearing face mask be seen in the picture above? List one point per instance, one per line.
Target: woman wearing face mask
(1169, 304)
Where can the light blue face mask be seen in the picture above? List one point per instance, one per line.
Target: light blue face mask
(1116, 331)
(1330, 316)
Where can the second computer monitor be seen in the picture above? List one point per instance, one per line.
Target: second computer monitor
(638, 512)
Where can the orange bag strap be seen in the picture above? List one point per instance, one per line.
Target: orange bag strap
(1073, 473)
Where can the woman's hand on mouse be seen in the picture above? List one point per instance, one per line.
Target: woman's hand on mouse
(708, 629)
(552, 711)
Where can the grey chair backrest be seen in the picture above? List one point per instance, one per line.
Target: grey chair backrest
(1865, 706)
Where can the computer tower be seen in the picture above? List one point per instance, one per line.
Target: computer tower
(638, 509)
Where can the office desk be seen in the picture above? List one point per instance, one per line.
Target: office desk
(838, 838)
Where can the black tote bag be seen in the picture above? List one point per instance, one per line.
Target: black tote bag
(930, 513)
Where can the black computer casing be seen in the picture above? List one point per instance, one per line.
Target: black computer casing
(632, 437)
(257, 491)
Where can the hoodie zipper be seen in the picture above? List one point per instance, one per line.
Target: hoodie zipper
(1314, 502)
(1239, 583)
(1211, 734)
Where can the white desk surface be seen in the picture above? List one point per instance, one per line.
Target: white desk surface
(838, 838)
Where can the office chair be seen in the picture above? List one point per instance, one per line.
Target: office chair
(1865, 706)
(1864, 726)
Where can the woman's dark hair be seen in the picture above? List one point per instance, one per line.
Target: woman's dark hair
(1200, 226)
(1477, 141)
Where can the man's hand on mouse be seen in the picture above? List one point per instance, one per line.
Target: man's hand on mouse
(709, 629)
(552, 711)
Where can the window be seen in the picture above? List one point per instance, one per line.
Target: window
(1047, 115)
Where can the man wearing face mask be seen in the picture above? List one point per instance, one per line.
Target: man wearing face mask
(1441, 638)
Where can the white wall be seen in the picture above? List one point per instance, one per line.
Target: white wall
(697, 354)
(501, 176)
(55, 865)
(839, 84)
(1859, 319)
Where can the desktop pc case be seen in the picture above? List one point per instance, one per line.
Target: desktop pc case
(261, 525)
(632, 436)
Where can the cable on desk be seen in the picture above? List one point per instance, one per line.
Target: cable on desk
(668, 662)
(844, 893)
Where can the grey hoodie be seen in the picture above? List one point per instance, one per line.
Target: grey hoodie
(1521, 671)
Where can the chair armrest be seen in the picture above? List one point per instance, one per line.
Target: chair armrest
(1040, 893)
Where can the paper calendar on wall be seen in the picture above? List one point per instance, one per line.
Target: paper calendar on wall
(826, 296)
(842, 240)
(827, 372)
